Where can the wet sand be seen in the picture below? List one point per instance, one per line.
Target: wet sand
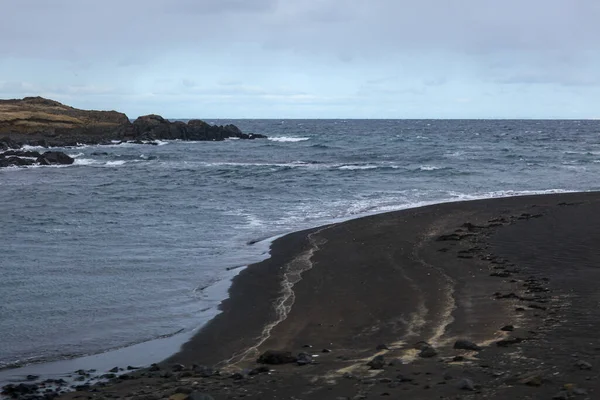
(382, 285)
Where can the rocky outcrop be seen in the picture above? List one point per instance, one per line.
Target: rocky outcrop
(39, 121)
(14, 158)
(152, 127)
(43, 122)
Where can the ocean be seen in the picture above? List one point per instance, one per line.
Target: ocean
(138, 242)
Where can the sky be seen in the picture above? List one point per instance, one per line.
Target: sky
(307, 58)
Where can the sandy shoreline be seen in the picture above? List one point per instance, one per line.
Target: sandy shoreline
(380, 284)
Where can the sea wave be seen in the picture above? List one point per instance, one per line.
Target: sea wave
(358, 167)
(288, 139)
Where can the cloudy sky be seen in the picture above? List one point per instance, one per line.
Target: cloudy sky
(307, 58)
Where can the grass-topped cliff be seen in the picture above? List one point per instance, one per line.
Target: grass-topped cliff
(40, 121)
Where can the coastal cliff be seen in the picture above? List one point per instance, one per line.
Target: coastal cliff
(43, 122)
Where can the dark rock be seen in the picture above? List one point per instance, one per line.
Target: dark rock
(259, 370)
(382, 347)
(203, 371)
(464, 344)
(154, 368)
(20, 389)
(55, 157)
(276, 357)
(177, 367)
(325, 351)
(532, 379)
(428, 352)
(109, 376)
(403, 378)
(304, 359)
(237, 376)
(507, 328)
(21, 153)
(113, 370)
(32, 377)
(130, 368)
(583, 365)
(562, 395)
(466, 384)
(458, 358)
(14, 161)
(377, 362)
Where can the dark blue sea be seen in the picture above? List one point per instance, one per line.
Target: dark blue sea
(136, 242)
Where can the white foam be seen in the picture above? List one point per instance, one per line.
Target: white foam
(288, 139)
(27, 147)
(115, 163)
(85, 161)
(358, 167)
(429, 168)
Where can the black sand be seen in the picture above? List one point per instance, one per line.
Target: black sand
(434, 274)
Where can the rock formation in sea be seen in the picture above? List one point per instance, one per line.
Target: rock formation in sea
(38, 121)
(44, 122)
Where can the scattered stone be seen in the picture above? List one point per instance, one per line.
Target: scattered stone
(464, 344)
(325, 351)
(377, 362)
(458, 358)
(276, 357)
(115, 369)
(259, 370)
(177, 367)
(507, 328)
(154, 368)
(466, 384)
(583, 365)
(532, 379)
(203, 371)
(304, 359)
(428, 352)
(237, 376)
(382, 347)
(421, 345)
(32, 377)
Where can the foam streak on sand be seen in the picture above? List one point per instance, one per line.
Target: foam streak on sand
(283, 305)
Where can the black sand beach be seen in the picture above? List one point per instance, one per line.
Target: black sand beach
(515, 279)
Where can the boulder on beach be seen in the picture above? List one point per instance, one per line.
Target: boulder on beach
(275, 357)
